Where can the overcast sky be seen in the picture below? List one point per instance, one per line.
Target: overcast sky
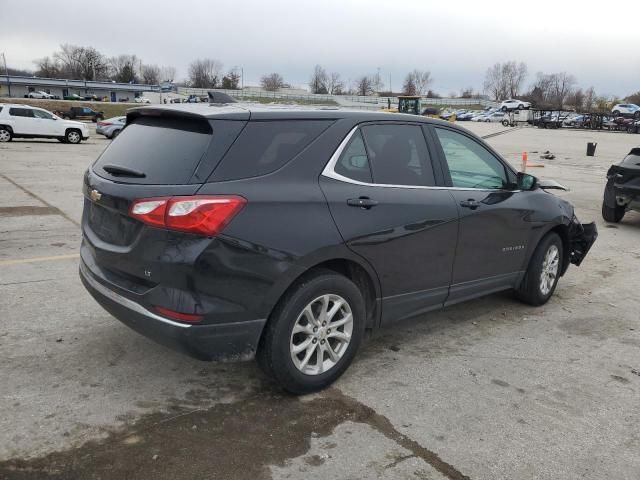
(455, 40)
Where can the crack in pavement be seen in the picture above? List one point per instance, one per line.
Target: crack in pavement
(54, 210)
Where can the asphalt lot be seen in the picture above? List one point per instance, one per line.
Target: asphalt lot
(490, 389)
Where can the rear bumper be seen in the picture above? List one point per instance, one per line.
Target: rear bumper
(227, 341)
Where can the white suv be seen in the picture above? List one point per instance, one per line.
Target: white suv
(626, 109)
(513, 104)
(23, 121)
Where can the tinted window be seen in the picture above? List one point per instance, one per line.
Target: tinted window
(470, 164)
(353, 163)
(166, 150)
(21, 112)
(42, 114)
(398, 155)
(265, 146)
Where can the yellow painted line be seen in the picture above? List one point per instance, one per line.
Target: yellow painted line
(39, 259)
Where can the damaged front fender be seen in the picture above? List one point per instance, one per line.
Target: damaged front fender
(582, 236)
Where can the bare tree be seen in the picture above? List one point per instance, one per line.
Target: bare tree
(85, 63)
(123, 68)
(422, 80)
(319, 80)
(150, 74)
(467, 92)
(589, 99)
(505, 80)
(409, 86)
(335, 85)
(272, 82)
(562, 86)
(205, 73)
(167, 74)
(47, 67)
(364, 85)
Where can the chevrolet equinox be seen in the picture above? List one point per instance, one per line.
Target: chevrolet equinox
(227, 232)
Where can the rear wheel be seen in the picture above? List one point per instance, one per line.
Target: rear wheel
(5, 134)
(504, 109)
(613, 215)
(115, 134)
(505, 123)
(73, 136)
(616, 113)
(541, 278)
(314, 333)
(520, 107)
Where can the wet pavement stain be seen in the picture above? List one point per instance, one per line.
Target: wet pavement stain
(228, 441)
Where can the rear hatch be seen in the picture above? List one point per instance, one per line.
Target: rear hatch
(160, 153)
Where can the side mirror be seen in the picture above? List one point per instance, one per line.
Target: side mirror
(526, 182)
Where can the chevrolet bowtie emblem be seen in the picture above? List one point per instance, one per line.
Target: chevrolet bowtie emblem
(95, 195)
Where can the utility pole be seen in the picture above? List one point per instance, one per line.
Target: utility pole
(6, 70)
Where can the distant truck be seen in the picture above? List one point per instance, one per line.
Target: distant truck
(79, 113)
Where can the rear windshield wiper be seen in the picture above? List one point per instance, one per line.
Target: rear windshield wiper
(120, 171)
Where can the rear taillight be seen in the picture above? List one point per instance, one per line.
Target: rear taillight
(103, 124)
(200, 214)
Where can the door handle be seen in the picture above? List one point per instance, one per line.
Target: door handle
(470, 203)
(362, 202)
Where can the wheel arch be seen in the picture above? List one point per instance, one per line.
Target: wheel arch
(349, 265)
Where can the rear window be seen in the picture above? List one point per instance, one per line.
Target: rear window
(166, 150)
(265, 146)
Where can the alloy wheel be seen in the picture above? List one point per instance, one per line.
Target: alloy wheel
(73, 137)
(321, 334)
(549, 272)
(5, 136)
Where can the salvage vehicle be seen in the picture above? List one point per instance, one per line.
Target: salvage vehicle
(80, 113)
(622, 192)
(24, 121)
(626, 110)
(227, 232)
(514, 104)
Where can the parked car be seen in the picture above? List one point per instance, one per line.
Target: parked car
(39, 94)
(480, 118)
(80, 113)
(494, 117)
(73, 96)
(634, 127)
(111, 127)
(626, 109)
(574, 120)
(513, 104)
(141, 100)
(24, 121)
(230, 232)
(622, 192)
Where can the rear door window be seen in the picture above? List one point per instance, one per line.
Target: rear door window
(21, 112)
(398, 155)
(265, 146)
(166, 150)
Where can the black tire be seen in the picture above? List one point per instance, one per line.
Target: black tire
(274, 351)
(505, 123)
(530, 290)
(613, 215)
(73, 136)
(520, 107)
(115, 134)
(616, 113)
(6, 135)
(504, 109)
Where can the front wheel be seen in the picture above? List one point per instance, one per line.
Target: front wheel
(616, 113)
(541, 278)
(504, 109)
(73, 136)
(314, 333)
(505, 123)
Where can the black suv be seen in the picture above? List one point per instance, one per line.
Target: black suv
(227, 233)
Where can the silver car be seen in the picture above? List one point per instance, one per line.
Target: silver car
(111, 127)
